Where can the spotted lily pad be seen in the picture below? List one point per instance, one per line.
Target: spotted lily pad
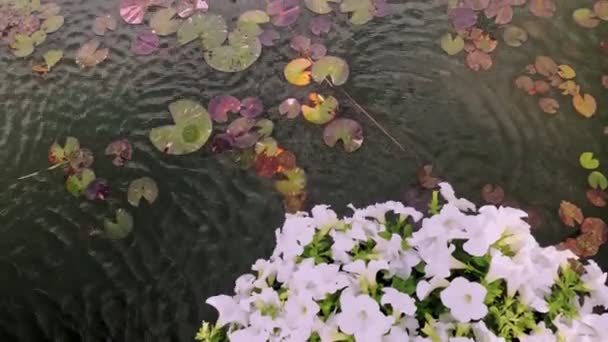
(191, 131)
(296, 72)
(52, 24)
(145, 43)
(239, 55)
(451, 45)
(333, 67)
(597, 180)
(88, 55)
(221, 105)
(346, 130)
(121, 227)
(59, 154)
(319, 6)
(162, 22)
(294, 184)
(76, 184)
(121, 150)
(52, 57)
(144, 187)
(103, 24)
(362, 10)
(324, 110)
(290, 108)
(588, 161)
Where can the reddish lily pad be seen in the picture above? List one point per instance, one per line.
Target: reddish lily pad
(324, 110)
(549, 105)
(81, 159)
(104, 23)
(243, 133)
(570, 214)
(320, 25)
(97, 189)
(121, 150)
(596, 228)
(290, 108)
(221, 105)
(269, 36)
(144, 187)
(545, 66)
(462, 18)
(542, 8)
(597, 197)
(251, 107)
(525, 83)
(346, 130)
(145, 43)
(479, 60)
(284, 12)
(333, 67)
(493, 194)
(500, 10)
(88, 55)
(133, 11)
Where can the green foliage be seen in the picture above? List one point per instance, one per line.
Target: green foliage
(319, 249)
(329, 305)
(364, 251)
(211, 333)
(510, 318)
(407, 286)
(496, 290)
(434, 206)
(563, 295)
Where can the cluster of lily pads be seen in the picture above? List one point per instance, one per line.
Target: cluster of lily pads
(561, 77)
(81, 180)
(590, 17)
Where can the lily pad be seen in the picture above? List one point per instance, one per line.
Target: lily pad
(462, 18)
(294, 184)
(549, 105)
(59, 154)
(346, 130)
(426, 179)
(38, 37)
(588, 161)
(542, 8)
(234, 57)
(103, 24)
(597, 180)
(284, 12)
(133, 11)
(23, 45)
(211, 28)
(162, 22)
(121, 228)
(296, 72)
(524, 83)
(585, 17)
(333, 67)
(243, 133)
(97, 189)
(514, 36)
(48, 10)
(264, 127)
(268, 146)
(451, 45)
(76, 184)
(80, 160)
(52, 24)
(121, 150)
(145, 43)
(570, 214)
(88, 55)
(493, 194)
(255, 16)
(144, 187)
(319, 6)
(361, 11)
(290, 107)
(268, 37)
(221, 105)
(320, 25)
(324, 111)
(52, 57)
(597, 197)
(186, 8)
(191, 131)
(566, 72)
(600, 8)
(545, 66)
(479, 60)
(584, 104)
(251, 107)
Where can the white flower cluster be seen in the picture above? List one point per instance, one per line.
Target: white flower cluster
(464, 275)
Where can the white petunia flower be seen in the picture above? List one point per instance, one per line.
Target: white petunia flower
(249, 334)
(396, 334)
(328, 330)
(399, 301)
(366, 273)
(362, 318)
(228, 309)
(324, 216)
(447, 192)
(483, 334)
(318, 280)
(424, 288)
(297, 232)
(595, 281)
(540, 334)
(244, 285)
(465, 300)
(461, 339)
(300, 312)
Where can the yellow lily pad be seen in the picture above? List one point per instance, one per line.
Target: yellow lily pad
(570, 88)
(566, 72)
(324, 110)
(296, 72)
(585, 17)
(585, 104)
(451, 45)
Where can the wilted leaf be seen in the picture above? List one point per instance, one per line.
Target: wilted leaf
(548, 105)
(585, 104)
(597, 197)
(144, 187)
(121, 228)
(451, 45)
(570, 214)
(346, 130)
(587, 160)
(493, 194)
(597, 180)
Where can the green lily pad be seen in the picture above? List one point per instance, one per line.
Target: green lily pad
(245, 30)
(121, 228)
(319, 6)
(294, 184)
(346, 130)
(23, 45)
(191, 131)
(52, 24)
(211, 28)
(362, 10)
(76, 184)
(334, 67)
(587, 161)
(38, 37)
(143, 187)
(52, 57)
(597, 179)
(267, 145)
(162, 22)
(255, 16)
(322, 112)
(264, 127)
(235, 56)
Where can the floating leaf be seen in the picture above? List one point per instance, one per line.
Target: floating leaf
(290, 107)
(542, 8)
(267, 146)
(587, 161)
(97, 189)
(362, 10)
(242, 132)
(570, 214)
(268, 37)
(600, 8)
(191, 131)
(462, 18)
(144, 187)
(52, 24)
(266, 165)
(221, 105)
(597, 197)
(324, 111)
(286, 160)
(133, 11)
(89, 56)
(566, 72)
(121, 228)
(48, 10)
(426, 178)
(76, 184)
(479, 60)
(514, 36)
(545, 66)
(52, 57)
(585, 17)
(121, 150)
(81, 159)
(255, 16)
(346, 130)
(22, 46)
(235, 57)
(317, 51)
(222, 142)
(284, 12)
(300, 44)
(186, 8)
(333, 67)
(294, 184)
(38, 37)
(162, 22)
(59, 154)
(319, 6)
(525, 83)
(101, 24)
(570, 88)
(597, 179)
(211, 28)
(596, 229)
(585, 104)
(145, 43)
(451, 45)
(296, 71)
(320, 25)
(493, 194)
(251, 107)
(548, 105)
(605, 81)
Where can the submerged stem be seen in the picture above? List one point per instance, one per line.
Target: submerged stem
(34, 174)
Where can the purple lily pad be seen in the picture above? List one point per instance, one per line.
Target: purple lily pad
(462, 17)
(243, 133)
(300, 43)
(284, 12)
(317, 51)
(121, 150)
(268, 37)
(222, 142)
(186, 8)
(97, 189)
(290, 107)
(347, 130)
(145, 43)
(251, 107)
(81, 159)
(29, 25)
(382, 9)
(221, 105)
(320, 25)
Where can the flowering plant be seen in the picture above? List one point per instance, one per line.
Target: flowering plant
(388, 274)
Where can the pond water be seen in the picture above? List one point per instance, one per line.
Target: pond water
(212, 219)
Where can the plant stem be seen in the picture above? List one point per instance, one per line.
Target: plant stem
(33, 174)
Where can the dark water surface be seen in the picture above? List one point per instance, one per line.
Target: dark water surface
(212, 219)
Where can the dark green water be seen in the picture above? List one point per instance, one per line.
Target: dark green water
(212, 220)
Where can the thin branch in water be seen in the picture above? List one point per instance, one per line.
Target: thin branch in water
(34, 174)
